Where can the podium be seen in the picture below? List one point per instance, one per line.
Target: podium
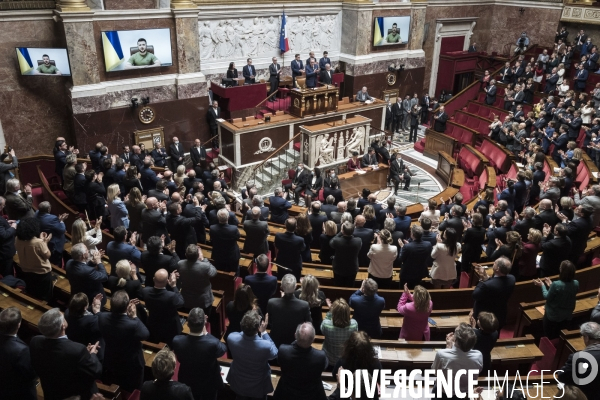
(313, 101)
(237, 100)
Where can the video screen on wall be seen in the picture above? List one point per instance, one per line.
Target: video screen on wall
(391, 30)
(43, 62)
(147, 48)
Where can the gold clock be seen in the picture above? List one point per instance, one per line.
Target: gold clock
(147, 115)
(391, 79)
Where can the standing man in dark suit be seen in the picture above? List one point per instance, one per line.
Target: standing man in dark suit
(126, 154)
(367, 306)
(425, 105)
(65, 368)
(299, 182)
(592, 62)
(574, 125)
(551, 80)
(278, 206)
(366, 236)
(297, 68)
(197, 354)
(159, 155)
(581, 78)
(213, 114)
(201, 223)
(249, 72)
(263, 285)
(51, 224)
(301, 367)
(555, 248)
(123, 333)
(163, 320)
(224, 237)
(316, 218)
(158, 256)
(257, 232)
(289, 250)
(324, 61)
(176, 151)
(492, 294)
(580, 39)
(7, 243)
(181, 229)
(440, 120)
(473, 48)
(326, 74)
(274, 74)
(397, 115)
(490, 93)
(389, 116)
(578, 230)
(506, 73)
(86, 277)
(312, 72)
(18, 205)
(198, 156)
(17, 379)
(399, 174)
(5, 173)
(287, 312)
(345, 259)
(154, 222)
(414, 257)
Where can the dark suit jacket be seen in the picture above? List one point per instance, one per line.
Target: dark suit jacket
(316, 222)
(285, 314)
(366, 312)
(263, 286)
(213, 219)
(256, 237)
(181, 229)
(490, 96)
(159, 157)
(154, 223)
(493, 295)
(453, 222)
(191, 211)
(18, 206)
(226, 252)
(65, 368)
(148, 179)
(197, 154)
(86, 278)
(17, 377)
(578, 231)
(176, 151)
(301, 370)
(248, 71)
(197, 356)
(85, 330)
(296, 67)
(413, 257)
(279, 206)
(5, 173)
(137, 160)
(153, 263)
(50, 223)
(311, 76)
(345, 260)
(366, 236)
(79, 195)
(289, 253)
(323, 61)
(592, 389)
(163, 320)
(545, 217)
(326, 77)
(440, 123)
(165, 390)
(7, 240)
(273, 73)
(328, 209)
(211, 118)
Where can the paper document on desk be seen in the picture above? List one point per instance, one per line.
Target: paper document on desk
(220, 120)
(360, 172)
(595, 174)
(368, 101)
(377, 351)
(224, 373)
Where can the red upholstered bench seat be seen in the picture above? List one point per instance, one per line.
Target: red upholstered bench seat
(420, 145)
(468, 161)
(493, 152)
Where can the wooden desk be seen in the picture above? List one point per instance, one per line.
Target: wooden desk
(235, 100)
(436, 142)
(313, 101)
(353, 182)
(31, 310)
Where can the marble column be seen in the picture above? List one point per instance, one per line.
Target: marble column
(72, 5)
(182, 4)
(417, 21)
(188, 54)
(79, 33)
(356, 30)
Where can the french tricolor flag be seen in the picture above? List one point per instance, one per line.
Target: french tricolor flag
(284, 45)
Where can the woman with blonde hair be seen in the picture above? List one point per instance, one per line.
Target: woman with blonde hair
(416, 309)
(315, 298)
(369, 214)
(178, 179)
(326, 252)
(135, 205)
(304, 230)
(118, 212)
(337, 328)
(80, 234)
(126, 280)
(382, 255)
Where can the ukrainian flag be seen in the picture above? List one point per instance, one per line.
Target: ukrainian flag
(25, 62)
(378, 34)
(113, 54)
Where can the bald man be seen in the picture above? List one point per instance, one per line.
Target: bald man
(256, 234)
(171, 185)
(366, 235)
(546, 215)
(301, 367)
(154, 222)
(163, 322)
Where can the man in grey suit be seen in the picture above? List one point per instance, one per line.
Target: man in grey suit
(274, 73)
(18, 205)
(256, 234)
(519, 97)
(591, 197)
(363, 95)
(405, 111)
(194, 276)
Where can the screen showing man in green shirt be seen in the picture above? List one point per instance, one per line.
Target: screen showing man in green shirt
(46, 68)
(143, 58)
(394, 36)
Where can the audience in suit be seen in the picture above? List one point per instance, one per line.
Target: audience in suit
(555, 248)
(279, 206)
(7, 243)
(181, 229)
(51, 224)
(86, 276)
(414, 256)
(162, 387)
(345, 260)
(82, 321)
(163, 320)
(118, 250)
(492, 294)
(224, 237)
(289, 250)
(263, 285)
(158, 256)
(194, 275)
(18, 204)
(257, 232)
(367, 306)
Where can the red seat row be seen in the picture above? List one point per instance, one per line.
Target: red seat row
(469, 162)
(471, 121)
(486, 111)
(460, 133)
(497, 156)
(473, 186)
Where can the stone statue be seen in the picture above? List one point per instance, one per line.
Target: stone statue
(356, 142)
(207, 45)
(326, 151)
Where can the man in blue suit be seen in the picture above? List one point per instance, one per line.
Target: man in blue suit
(312, 71)
(551, 82)
(51, 224)
(18, 377)
(86, 277)
(324, 61)
(249, 72)
(367, 306)
(297, 68)
(414, 257)
(224, 237)
(402, 220)
(560, 143)
(581, 78)
(492, 294)
(289, 250)
(263, 285)
(149, 177)
(279, 206)
(366, 235)
(118, 250)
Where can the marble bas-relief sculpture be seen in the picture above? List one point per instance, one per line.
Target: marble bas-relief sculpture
(259, 36)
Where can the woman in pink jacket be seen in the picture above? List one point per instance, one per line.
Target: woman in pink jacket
(416, 309)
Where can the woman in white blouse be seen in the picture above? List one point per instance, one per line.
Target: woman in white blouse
(563, 88)
(560, 71)
(587, 113)
(431, 213)
(382, 255)
(91, 238)
(443, 271)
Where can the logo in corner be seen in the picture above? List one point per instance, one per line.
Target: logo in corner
(585, 368)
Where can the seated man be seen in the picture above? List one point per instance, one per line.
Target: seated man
(363, 96)
(399, 173)
(142, 58)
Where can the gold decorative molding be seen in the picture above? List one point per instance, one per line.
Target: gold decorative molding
(183, 4)
(588, 15)
(27, 5)
(72, 5)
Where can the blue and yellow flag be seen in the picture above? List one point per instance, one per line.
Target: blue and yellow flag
(25, 63)
(113, 54)
(378, 34)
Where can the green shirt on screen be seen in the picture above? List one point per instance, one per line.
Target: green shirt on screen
(393, 38)
(50, 69)
(139, 59)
